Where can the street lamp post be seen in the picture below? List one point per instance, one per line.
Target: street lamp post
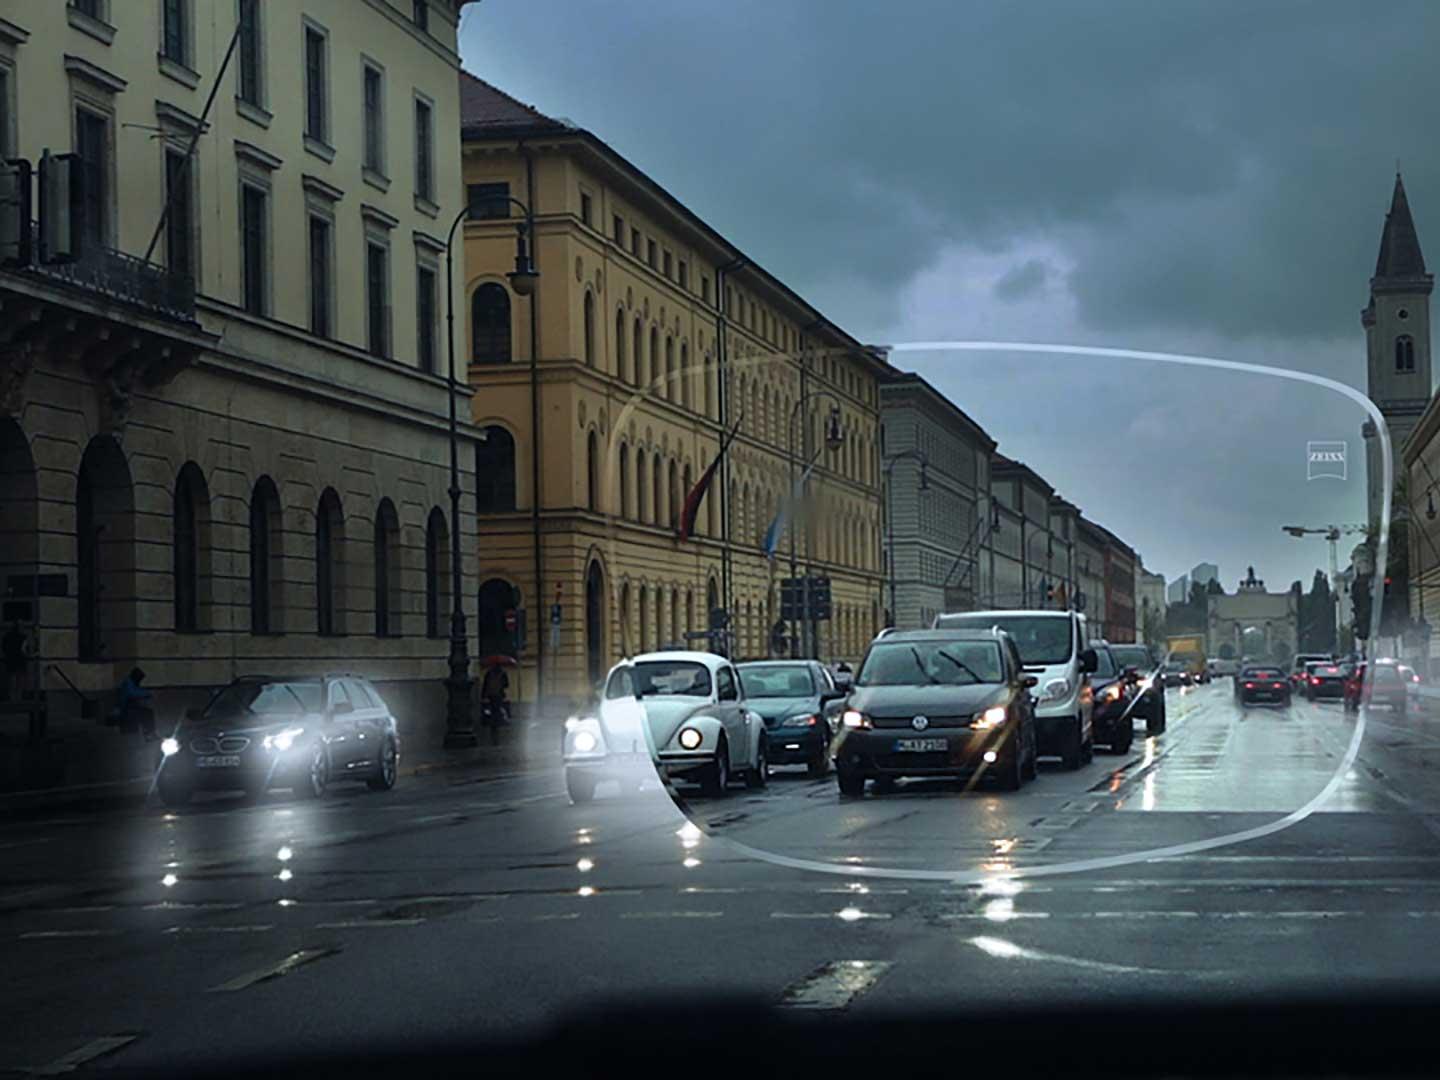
(914, 455)
(459, 717)
(834, 437)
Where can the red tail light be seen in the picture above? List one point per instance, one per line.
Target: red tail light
(1279, 686)
(1314, 680)
(1249, 686)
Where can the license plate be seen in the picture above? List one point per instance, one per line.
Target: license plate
(921, 746)
(218, 761)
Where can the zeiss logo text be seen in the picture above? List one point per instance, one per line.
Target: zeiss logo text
(1325, 461)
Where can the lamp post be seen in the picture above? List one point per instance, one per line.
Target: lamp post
(914, 455)
(459, 717)
(834, 438)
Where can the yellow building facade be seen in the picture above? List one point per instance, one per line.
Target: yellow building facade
(603, 398)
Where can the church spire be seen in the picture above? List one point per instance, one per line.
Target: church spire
(1400, 255)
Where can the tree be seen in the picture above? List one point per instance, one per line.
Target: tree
(1215, 588)
(1317, 616)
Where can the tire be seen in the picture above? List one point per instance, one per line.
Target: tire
(1032, 764)
(716, 782)
(1011, 776)
(1124, 742)
(387, 768)
(1087, 749)
(852, 785)
(759, 776)
(1155, 725)
(173, 793)
(317, 774)
(579, 786)
(820, 766)
(1071, 753)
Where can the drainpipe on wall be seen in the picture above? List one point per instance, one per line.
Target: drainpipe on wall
(538, 620)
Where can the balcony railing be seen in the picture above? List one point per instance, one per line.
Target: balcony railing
(118, 276)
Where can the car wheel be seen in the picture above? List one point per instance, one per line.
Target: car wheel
(1032, 763)
(717, 776)
(579, 786)
(1122, 744)
(759, 776)
(851, 784)
(1071, 753)
(820, 765)
(1011, 776)
(173, 793)
(1156, 724)
(317, 774)
(387, 767)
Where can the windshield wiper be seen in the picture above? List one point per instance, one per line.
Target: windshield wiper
(960, 664)
(921, 665)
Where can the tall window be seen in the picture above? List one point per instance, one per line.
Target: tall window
(624, 508)
(92, 142)
(586, 204)
(190, 511)
(265, 557)
(619, 229)
(254, 255)
(387, 570)
(652, 253)
(316, 91)
(437, 573)
(620, 343)
(589, 315)
(88, 7)
(425, 305)
(487, 201)
(1405, 353)
(373, 95)
(641, 489)
(251, 90)
(329, 564)
(592, 472)
(7, 115)
(490, 324)
(420, 12)
(424, 151)
(175, 33)
(635, 242)
(377, 298)
(320, 276)
(495, 471)
(639, 367)
(180, 218)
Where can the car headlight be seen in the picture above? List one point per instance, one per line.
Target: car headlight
(170, 747)
(806, 720)
(1055, 689)
(990, 718)
(584, 741)
(1147, 682)
(690, 739)
(282, 740)
(854, 718)
(1111, 693)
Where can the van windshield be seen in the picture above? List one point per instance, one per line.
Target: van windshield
(1041, 639)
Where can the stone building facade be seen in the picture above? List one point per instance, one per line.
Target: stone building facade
(232, 457)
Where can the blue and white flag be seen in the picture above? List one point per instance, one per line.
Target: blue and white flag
(771, 542)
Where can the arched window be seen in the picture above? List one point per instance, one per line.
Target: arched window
(592, 471)
(495, 471)
(329, 564)
(191, 517)
(620, 358)
(670, 387)
(625, 507)
(655, 371)
(677, 635)
(675, 496)
(387, 570)
(690, 611)
(659, 640)
(642, 492)
(437, 573)
(1404, 353)
(686, 487)
(657, 482)
(266, 558)
(105, 536)
(637, 340)
(706, 388)
(490, 324)
(685, 374)
(642, 642)
(589, 329)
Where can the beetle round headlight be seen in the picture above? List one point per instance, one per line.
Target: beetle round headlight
(170, 747)
(584, 742)
(690, 739)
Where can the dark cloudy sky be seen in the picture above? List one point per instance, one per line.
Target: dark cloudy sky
(1206, 177)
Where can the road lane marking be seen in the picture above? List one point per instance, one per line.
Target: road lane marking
(563, 917)
(834, 985)
(845, 914)
(1008, 950)
(295, 960)
(671, 914)
(351, 924)
(37, 935)
(95, 1048)
(256, 928)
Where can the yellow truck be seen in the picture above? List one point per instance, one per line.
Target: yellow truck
(1189, 649)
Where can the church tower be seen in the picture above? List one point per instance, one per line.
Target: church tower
(1397, 339)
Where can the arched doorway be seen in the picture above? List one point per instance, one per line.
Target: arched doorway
(594, 623)
(497, 596)
(105, 552)
(19, 493)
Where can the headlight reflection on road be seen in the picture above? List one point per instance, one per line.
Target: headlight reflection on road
(997, 947)
(1147, 797)
(1001, 910)
(585, 890)
(690, 862)
(284, 875)
(169, 881)
(285, 854)
(585, 865)
(689, 834)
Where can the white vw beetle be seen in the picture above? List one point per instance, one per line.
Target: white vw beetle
(683, 711)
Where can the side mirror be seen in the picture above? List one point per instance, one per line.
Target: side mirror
(831, 695)
(1089, 661)
(194, 714)
(1030, 682)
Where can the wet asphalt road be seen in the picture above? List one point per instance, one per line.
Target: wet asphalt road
(465, 905)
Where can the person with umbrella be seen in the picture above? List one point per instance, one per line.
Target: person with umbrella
(495, 709)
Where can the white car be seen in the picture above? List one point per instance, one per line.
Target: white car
(683, 713)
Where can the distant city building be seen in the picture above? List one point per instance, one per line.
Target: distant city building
(1204, 573)
(1178, 590)
(1253, 622)
(1149, 596)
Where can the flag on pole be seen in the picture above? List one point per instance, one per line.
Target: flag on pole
(771, 542)
(697, 493)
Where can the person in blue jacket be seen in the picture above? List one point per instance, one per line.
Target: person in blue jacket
(132, 704)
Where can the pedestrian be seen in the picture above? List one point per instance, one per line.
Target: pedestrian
(16, 649)
(492, 694)
(131, 706)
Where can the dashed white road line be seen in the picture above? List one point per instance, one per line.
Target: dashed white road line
(671, 914)
(274, 971)
(834, 985)
(95, 1048)
(354, 924)
(39, 935)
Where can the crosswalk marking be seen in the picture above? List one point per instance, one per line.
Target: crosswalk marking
(834, 985)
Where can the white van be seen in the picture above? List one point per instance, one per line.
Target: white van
(1053, 647)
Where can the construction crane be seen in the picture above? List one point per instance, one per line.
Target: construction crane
(1331, 533)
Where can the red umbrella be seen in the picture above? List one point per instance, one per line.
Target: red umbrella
(498, 661)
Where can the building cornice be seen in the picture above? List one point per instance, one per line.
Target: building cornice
(94, 74)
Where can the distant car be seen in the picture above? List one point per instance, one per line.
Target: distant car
(800, 705)
(1151, 707)
(1297, 667)
(1324, 679)
(1116, 688)
(302, 733)
(684, 711)
(1224, 669)
(1177, 674)
(1259, 683)
(1389, 686)
(939, 703)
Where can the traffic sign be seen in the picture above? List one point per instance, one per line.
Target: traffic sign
(554, 614)
(510, 620)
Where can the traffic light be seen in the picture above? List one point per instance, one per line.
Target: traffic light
(1360, 605)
